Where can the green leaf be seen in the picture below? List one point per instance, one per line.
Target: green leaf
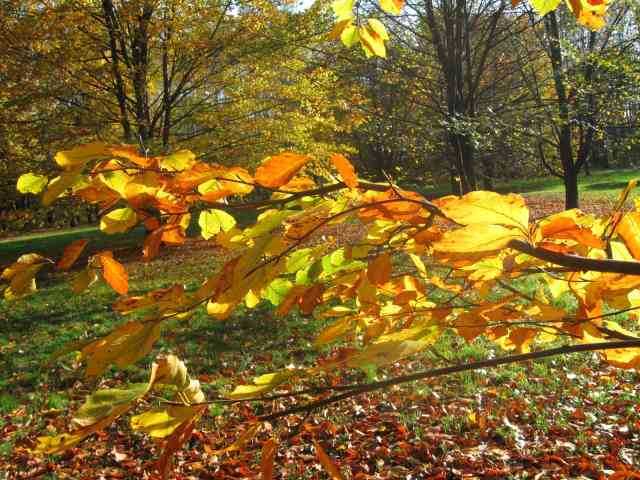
(214, 221)
(31, 183)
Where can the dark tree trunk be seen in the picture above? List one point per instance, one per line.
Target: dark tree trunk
(571, 189)
(120, 92)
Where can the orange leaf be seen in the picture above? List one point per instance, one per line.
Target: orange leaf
(151, 246)
(114, 273)
(278, 170)
(629, 230)
(71, 254)
(327, 463)
(345, 169)
(379, 270)
(269, 450)
(563, 227)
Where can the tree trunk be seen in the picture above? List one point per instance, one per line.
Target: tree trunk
(571, 189)
(120, 92)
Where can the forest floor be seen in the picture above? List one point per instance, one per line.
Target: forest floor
(569, 417)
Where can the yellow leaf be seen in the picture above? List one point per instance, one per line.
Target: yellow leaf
(372, 37)
(629, 230)
(71, 253)
(178, 161)
(277, 170)
(214, 221)
(119, 220)
(477, 238)
(349, 35)
(393, 7)
(334, 331)
(262, 385)
(31, 183)
(114, 273)
(21, 275)
(482, 207)
(124, 346)
(59, 185)
(386, 352)
(100, 410)
(345, 169)
(542, 7)
(327, 463)
(77, 157)
(162, 423)
(343, 9)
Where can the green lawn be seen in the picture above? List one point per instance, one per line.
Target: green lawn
(51, 243)
(600, 182)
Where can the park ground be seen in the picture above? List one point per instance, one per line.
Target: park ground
(569, 417)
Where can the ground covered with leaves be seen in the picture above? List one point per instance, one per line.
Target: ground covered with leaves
(569, 417)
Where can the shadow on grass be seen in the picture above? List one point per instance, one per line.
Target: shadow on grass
(606, 185)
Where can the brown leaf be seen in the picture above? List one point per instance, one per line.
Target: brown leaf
(379, 270)
(269, 450)
(71, 254)
(327, 463)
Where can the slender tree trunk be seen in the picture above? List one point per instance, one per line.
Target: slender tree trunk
(569, 168)
(120, 91)
(166, 87)
(140, 65)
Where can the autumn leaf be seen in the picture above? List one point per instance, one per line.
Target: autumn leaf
(123, 346)
(379, 270)
(345, 169)
(31, 183)
(476, 238)
(482, 207)
(393, 7)
(268, 455)
(80, 155)
(114, 273)
(214, 221)
(178, 161)
(542, 7)
(71, 253)
(327, 463)
(120, 220)
(279, 169)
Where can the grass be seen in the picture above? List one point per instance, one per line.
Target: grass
(51, 243)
